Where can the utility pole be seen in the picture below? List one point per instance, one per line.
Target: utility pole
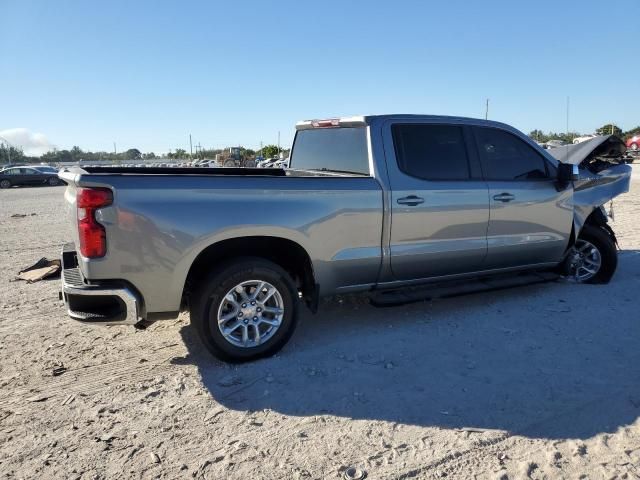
(278, 143)
(486, 110)
(115, 152)
(567, 149)
(190, 146)
(260, 148)
(567, 116)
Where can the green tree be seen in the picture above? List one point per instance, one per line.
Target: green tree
(269, 151)
(149, 156)
(538, 135)
(132, 154)
(609, 129)
(76, 153)
(630, 133)
(179, 153)
(10, 154)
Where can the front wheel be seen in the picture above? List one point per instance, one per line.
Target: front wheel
(593, 258)
(245, 310)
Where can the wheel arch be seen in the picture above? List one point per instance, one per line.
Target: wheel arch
(288, 254)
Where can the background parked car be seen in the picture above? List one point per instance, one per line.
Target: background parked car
(583, 138)
(46, 169)
(10, 177)
(554, 144)
(633, 143)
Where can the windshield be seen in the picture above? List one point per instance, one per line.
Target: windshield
(331, 149)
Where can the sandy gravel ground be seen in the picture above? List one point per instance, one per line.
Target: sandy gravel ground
(535, 382)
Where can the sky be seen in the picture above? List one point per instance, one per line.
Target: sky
(146, 74)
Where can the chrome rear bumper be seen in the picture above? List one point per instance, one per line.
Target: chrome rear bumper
(106, 303)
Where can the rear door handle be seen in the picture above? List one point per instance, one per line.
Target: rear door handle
(411, 200)
(504, 197)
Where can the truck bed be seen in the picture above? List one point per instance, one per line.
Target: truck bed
(262, 172)
(212, 172)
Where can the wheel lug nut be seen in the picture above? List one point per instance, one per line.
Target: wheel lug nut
(244, 305)
(246, 320)
(255, 318)
(258, 309)
(253, 303)
(239, 314)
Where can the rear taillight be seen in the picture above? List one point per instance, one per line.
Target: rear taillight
(93, 238)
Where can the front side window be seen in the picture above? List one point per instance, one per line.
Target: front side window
(431, 152)
(332, 149)
(506, 157)
(12, 171)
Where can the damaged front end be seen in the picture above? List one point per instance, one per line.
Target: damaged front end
(604, 174)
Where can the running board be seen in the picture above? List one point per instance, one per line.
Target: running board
(390, 298)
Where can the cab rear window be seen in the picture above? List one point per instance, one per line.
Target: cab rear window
(331, 149)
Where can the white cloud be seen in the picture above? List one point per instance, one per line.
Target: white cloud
(33, 144)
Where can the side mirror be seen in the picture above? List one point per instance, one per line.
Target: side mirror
(568, 172)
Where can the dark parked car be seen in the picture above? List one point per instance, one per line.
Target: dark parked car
(10, 177)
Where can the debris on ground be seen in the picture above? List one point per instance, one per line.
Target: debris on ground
(43, 268)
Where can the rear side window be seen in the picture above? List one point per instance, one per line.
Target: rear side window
(431, 152)
(332, 149)
(506, 157)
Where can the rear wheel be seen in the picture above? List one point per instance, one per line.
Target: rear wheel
(245, 310)
(53, 181)
(593, 258)
(5, 183)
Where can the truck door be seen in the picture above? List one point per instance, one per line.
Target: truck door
(439, 201)
(530, 220)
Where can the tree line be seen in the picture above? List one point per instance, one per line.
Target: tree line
(608, 129)
(11, 154)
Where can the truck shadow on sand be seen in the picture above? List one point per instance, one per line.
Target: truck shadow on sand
(557, 360)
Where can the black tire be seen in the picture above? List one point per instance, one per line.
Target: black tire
(53, 181)
(207, 298)
(5, 183)
(599, 238)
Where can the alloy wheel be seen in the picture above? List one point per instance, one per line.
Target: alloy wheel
(250, 313)
(586, 261)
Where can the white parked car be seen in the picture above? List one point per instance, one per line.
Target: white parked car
(583, 138)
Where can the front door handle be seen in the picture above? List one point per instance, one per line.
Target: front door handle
(504, 197)
(411, 200)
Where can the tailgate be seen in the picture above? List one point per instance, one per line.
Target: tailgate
(76, 180)
(70, 201)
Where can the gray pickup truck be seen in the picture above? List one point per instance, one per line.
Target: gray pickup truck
(377, 204)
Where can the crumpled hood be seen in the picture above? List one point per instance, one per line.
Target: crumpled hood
(604, 173)
(608, 146)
